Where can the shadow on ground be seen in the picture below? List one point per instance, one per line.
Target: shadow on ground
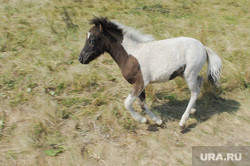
(206, 107)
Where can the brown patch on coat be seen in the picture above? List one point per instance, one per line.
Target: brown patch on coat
(178, 72)
(128, 64)
(131, 71)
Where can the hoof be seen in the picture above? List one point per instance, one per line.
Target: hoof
(158, 122)
(182, 127)
(143, 120)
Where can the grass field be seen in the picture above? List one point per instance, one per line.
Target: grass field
(55, 111)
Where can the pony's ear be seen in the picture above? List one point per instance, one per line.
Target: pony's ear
(103, 23)
(100, 22)
(100, 27)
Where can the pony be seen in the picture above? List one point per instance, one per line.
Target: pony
(143, 60)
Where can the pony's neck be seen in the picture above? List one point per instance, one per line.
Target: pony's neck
(115, 48)
(119, 54)
(128, 64)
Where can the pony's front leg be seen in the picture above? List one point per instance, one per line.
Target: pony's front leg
(129, 102)
(145, 108)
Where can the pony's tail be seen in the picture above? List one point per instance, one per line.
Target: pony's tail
(214, 66)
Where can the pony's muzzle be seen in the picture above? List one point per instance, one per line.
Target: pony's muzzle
(81, 58)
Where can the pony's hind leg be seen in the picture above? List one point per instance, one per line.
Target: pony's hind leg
(129, 102)
(145, 108)
(200, 81)
(194, 85)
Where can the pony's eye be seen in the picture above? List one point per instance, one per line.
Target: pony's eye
(92, 41)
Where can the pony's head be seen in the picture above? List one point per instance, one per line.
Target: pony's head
(96, 42)
(93, 45)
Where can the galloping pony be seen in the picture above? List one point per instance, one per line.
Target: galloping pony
(143, 61)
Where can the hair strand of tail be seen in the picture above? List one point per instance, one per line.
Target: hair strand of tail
(214, 67)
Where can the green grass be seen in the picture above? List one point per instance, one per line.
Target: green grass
(55, 111)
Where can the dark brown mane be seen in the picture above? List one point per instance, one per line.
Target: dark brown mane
(105, 23)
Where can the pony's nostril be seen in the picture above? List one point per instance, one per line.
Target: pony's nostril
(80, 59)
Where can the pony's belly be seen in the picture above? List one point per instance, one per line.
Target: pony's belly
(157, 72)
(161, 78)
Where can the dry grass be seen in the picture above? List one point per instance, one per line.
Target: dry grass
(54, 111)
